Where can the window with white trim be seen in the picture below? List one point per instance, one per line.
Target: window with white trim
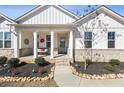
(5, 39)
(1, 39)
(88, 39)
(48, 41)
(111, 39)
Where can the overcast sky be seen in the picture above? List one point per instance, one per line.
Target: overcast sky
(14, 11)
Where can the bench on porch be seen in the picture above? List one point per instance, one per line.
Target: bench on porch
(43, 51)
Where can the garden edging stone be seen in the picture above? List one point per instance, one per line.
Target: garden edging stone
(28, 79)
(97, 77)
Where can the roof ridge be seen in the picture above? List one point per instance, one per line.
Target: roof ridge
(59, 6)
(6, 17)
(68, 11)
(27, 12)
(102, 6)
(89, 13)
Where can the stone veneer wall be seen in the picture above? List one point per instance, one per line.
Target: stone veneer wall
(7, 52)
(26, 51)
(99, 55)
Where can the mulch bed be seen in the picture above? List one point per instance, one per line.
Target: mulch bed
(25, 70)
(97, 68)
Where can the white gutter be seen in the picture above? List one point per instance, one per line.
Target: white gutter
(41, 25)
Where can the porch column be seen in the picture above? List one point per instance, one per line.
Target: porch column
(20, 39)
(16, 44)
(35, 44)
(52, 44)
(71, 44)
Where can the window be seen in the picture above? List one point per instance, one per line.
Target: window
(111, 39)
(5, 40)
(48, 41)
(88, 39)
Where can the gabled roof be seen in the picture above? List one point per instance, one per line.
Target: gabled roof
(67, 11)
(7, 18)
(41, 7)
(102, 9)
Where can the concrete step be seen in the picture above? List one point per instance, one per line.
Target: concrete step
(62, 62)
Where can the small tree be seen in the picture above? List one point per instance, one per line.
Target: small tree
(40, 62)
(78, 13)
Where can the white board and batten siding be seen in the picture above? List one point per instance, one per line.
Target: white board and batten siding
(102, 43)
(4, 26)
(51, 15)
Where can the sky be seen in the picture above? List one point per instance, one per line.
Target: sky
(14, 11)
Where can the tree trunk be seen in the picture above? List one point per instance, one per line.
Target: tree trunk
(85, 65)
(13, 71)
(40, 70)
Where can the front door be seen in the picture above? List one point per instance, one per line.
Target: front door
(62, 45)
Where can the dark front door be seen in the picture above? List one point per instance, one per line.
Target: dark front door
(62, 45)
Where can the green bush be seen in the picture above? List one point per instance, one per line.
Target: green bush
(3, 60)
(40, 61)
(114, 62)
(13, 62)
(109, 67)
(89, 62)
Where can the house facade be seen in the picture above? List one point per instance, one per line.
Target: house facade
(99, 34)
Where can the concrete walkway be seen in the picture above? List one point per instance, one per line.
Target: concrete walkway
(64, 78)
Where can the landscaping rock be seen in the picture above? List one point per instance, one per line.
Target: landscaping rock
(34, 80)
(83, 75)
(38, 78)
(29, 80)
(43, 79)
(23, 80)
(88, 77)
(18, 80)
(122, 75)
(101, 77)
(80, 74)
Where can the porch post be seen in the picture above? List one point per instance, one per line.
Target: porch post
(52, 44)
(35, 44)
(20, 39)
(71, 44)
(16, 44)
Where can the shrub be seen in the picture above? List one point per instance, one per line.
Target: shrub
(40, 61)
(109, 67)
(3, 60)
(114, 62)
(13, 62)
(89, 62)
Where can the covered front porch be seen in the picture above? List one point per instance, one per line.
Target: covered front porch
(40, 40)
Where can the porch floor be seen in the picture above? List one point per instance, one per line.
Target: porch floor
(30, 59)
